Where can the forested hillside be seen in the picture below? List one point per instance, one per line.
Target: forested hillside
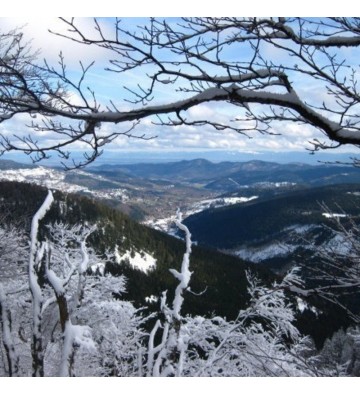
(221, 305)
(264, 219)
(222, 276)
(86, 291)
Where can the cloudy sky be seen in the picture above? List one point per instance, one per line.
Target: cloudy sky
(110, 86)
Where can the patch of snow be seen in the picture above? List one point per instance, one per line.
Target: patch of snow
(215, 203)
(302, 306)
(55, 282)
(151, 299)
(165, 225)
(300, 229)
(259, 254)
(141, 261)
(55, 179)
(339, 244)
(334, 215)
(118, 193)
(270, 184)
(100, 267)
(50, 178)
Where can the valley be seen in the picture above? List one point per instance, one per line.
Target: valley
(259, 211)
(263, 217)
(152, 193)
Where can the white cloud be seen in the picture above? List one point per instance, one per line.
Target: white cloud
(36, 30)
(203, 111)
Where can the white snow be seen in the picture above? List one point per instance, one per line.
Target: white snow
(55, 179)
(74, 336)
(116, 193)
(185, 274)
(258, 254)
(340, 245)
(334, 215)
(151, 299)
(215, 203)
(50, 178)
(35, 251)
(166, 225)
(55, 282)
(138, 260)
(336, 243)
(302, 306)
(98, 267)
(276, 248)
(270, 184)
(235, 182)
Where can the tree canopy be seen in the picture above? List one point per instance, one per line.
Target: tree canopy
(262, 66)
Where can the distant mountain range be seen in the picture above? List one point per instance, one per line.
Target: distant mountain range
(244, 173)
(152, 192)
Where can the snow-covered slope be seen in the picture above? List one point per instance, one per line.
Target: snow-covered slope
(138, 260)
(56, 179)
(293, 239)
(167, 224)
(47, 177)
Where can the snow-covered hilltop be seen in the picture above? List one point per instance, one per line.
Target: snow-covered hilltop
(57, 179)
(50, 178)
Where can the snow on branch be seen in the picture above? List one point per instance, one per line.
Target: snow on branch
(167, 358)
(185, 274)
(197, 59)
(36, 254)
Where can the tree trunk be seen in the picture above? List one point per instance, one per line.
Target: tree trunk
(5, 316)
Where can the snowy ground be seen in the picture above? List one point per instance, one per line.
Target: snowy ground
(296, 235)
(259, 254)
(54, 179)
(138, 260)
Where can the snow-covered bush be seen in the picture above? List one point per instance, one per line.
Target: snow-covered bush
(262, 341)
(14, 296)
(55, 319)
(59, 318)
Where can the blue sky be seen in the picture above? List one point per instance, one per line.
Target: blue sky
(179, 139)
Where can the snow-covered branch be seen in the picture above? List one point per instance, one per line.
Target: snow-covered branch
(36, 256)
(167, 358)
(193, 58)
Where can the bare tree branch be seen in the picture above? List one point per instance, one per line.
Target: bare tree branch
(202, 59)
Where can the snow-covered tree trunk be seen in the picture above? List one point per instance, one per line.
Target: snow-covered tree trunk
(82, 267)
(36, 255)
(68, 352)
(73, 336)
(166, 359)
(5, 316)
